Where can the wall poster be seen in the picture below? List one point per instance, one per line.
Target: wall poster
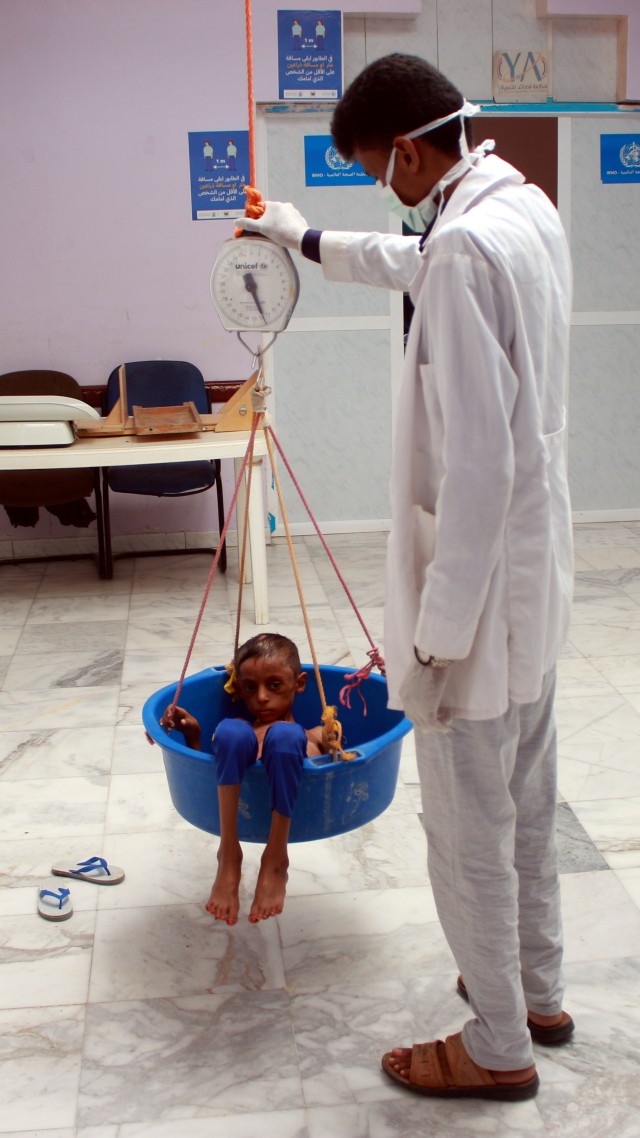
(219, 168)
(309, 54)
(620, 157)
(324, 166)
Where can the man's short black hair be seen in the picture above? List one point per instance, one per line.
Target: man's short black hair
(392, 96)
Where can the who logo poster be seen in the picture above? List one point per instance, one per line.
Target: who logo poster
(620, 157)
(521, 76)
(324, 166)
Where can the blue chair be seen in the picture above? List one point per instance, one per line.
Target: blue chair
(161, 383)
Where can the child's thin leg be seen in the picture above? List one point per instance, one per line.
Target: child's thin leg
(224, 901)
(234, 748)
(283, 751)
(271, 886)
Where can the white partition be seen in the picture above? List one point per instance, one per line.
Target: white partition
(333, 371)
(604, 388)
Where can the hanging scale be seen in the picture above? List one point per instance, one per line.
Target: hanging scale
(254, 287)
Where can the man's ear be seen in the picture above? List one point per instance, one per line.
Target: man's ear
(301, 682)
(407, 153)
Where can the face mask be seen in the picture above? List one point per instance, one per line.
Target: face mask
(419, 217)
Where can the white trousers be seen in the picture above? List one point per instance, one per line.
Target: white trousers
(489, 808)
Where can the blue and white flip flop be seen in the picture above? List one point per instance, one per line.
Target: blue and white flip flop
(54, 904)
(94, 869)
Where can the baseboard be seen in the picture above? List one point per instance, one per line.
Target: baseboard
(307, 529)
(122, 543)
(630, 515)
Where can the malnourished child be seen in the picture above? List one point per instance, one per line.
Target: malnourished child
(267, 677)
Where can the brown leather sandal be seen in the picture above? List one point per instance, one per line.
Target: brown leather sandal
(547, 1036)
(444, 1070)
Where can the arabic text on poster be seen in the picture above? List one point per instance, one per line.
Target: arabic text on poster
(324, 166)
(620, 157)
(219, 167)
(310, 54)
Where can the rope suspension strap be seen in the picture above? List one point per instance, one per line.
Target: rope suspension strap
(214, 566)
(332, 729)
(355, 679)
(376, 660)
(245, 531)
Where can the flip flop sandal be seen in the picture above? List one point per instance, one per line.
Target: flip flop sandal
(444, 1070)
(54, 905)
(547, 1036)
(93, 869)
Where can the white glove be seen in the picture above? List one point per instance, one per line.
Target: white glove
(281, 222)
(421, 692)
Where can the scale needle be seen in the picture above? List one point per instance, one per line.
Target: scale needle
(251, 286)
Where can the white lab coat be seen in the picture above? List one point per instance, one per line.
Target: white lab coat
(479, 565)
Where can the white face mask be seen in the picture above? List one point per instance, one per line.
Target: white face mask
(419, 217)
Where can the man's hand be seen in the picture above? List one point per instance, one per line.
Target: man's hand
(421, 692)
(281, 222)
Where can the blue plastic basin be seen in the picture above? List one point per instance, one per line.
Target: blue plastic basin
(334, 797)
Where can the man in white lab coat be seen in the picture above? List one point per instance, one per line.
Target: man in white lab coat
(479, 572)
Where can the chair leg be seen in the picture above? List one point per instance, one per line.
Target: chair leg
(221, 518)
(97, 488)
(106, 518)
(107, 555)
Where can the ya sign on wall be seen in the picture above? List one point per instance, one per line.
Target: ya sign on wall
(521, 76)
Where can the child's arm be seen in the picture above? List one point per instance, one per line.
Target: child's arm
(315, 742)
(177, 718)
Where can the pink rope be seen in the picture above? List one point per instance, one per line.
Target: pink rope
(356, 678)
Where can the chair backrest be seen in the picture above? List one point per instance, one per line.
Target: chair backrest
(39, 382)
(159, 383)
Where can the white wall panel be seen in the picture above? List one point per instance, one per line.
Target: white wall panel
(605, 221)
(584, 57)
(604, 417)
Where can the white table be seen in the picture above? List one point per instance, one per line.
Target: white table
(134, 450)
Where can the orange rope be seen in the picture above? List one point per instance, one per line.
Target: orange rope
(252, 105)
(245, 529)
(294, 565)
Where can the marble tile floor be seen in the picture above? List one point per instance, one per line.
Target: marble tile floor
(142, 1018)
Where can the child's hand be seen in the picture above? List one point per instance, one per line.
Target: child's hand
(177, 718)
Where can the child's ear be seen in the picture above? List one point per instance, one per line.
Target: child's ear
(301, 682)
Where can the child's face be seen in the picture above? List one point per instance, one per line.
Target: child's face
(268, 688)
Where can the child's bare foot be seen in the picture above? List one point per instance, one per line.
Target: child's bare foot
(270, 889)
(224, 902)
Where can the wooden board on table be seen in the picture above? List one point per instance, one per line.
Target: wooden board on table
(181, 419)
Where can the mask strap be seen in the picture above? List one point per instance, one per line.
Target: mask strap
(466, 111)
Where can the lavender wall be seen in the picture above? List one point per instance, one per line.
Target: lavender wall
(101, 259)
(104, 262)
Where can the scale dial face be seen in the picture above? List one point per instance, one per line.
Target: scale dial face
(254, 285)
